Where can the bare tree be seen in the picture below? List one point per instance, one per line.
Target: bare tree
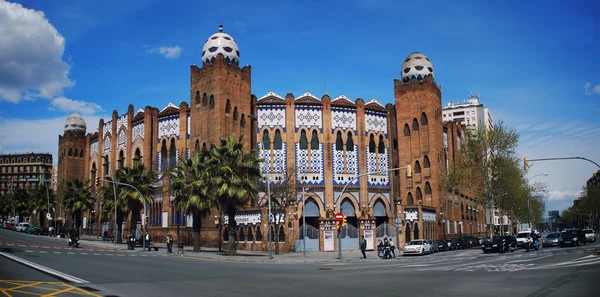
(283, 196)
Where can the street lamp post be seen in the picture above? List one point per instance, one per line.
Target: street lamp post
(529, 199)
(48, 197)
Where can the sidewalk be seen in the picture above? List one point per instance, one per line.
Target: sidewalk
(210, 253)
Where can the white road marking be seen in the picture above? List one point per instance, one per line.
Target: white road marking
(70, 253)
(53, 272)
(28, 251)
(83, 253)
(96, 254)
(527, 260)
(108, 254)
(57, 252)
(43, 252)
(461, 265)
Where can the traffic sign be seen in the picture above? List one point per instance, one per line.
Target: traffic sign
(339, 216)
(271, 218)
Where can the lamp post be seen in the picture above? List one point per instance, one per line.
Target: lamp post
(303, 223)
(270, 214)
(529, 199)
(48, 197)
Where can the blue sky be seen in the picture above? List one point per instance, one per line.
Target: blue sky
(534, 63)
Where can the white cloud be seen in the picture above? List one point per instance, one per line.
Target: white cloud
(31, 51)
(20, 135)
(169, 52)
(587, 87)
(597, 89)
(82, 107)
(558, 195)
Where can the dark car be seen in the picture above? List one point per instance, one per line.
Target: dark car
(552, 239)
(443, 245)
(572, 237)
(500, 244)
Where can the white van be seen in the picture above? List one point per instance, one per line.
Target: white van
(522, 237)
(21, 227)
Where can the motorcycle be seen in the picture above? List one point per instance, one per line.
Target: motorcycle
(73, 242)
(532, 244)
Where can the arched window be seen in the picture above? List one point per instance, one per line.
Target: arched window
(266, 141)
(314, 141)
(416, 233)
(121, 159)
(204, 99)
(258, 235)
(372, 144)
(228, 107)
(303, 140)
(243, 121)
(235, 113)
(138, 154)
(419, 194)
(423, 119)
(409, 199)
(281, 234)
(415, 125)
(272, 234)
(197, 99)
(76, 153)
(106, 166)
(381, 146)
(93, 173)
(197, 146)
(339, 146)
(70, 154)
(406, 130)
(395, 144)
(426, 162)
(211, 102)
(204, 146)
(81, 153)
(417, 167)
(164, 161)
(349, 143)
(172, 154)
(278, 143)
(427, 188)
(250, 235)
(241, 235)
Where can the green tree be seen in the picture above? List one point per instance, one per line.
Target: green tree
(193, 190)
(128, 199)
(235, 179)
(77, 199)
(107, 198)
(39, 201)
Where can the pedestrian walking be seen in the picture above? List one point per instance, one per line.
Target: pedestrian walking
(168, 241)
(393, 248)
(148, 240)
(363, 247)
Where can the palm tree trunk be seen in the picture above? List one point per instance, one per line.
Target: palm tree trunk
(197, 226)
(231, 249)
(41, 219)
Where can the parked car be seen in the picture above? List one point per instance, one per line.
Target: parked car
(434, 246)
(572, 237)
(590, 236)
(500, 244)
(21, 227)
(419, 247)
(552, 239)
(443, 245)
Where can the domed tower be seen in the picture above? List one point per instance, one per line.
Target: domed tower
(219, 93)
(71, 150)
(419, 134)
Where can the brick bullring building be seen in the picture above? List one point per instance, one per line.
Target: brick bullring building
(313, 145)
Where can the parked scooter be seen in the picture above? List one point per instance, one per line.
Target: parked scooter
(73, 241)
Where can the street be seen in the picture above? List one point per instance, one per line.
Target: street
(108, 271)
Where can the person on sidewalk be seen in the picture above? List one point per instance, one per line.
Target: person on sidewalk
(393, 249)
(148, 240)
(168, 242)
(363, 247)
(104, 235)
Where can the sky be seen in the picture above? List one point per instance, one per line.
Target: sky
(534, 64)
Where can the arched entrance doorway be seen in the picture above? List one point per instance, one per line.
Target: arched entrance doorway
(384, 228)
(349, 233)
(308, 234)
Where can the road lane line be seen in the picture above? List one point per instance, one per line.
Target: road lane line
(527, 260)
(57, 252)
(43, 252)
(84, 253)
(460, 265)
(28, 251)
(47, 270)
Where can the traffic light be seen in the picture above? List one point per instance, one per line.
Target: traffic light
(337, 225)
(97, 181)
(344, 222)
(408, 171)
(146, 219)
(525, 164)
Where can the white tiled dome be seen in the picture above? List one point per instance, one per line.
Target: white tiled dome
(416, 66)
(76, 124)
(220, 43)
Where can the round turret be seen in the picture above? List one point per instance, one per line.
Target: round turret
(416, 66)
(76, 124)
(220, 43)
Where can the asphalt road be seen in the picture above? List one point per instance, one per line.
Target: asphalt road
(548, 272)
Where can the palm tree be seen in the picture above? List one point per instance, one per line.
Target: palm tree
(39, 200)
(20, 200)
(236, 178)
(191, 185)
(78, 198)
(128, 199)
(108, 206)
